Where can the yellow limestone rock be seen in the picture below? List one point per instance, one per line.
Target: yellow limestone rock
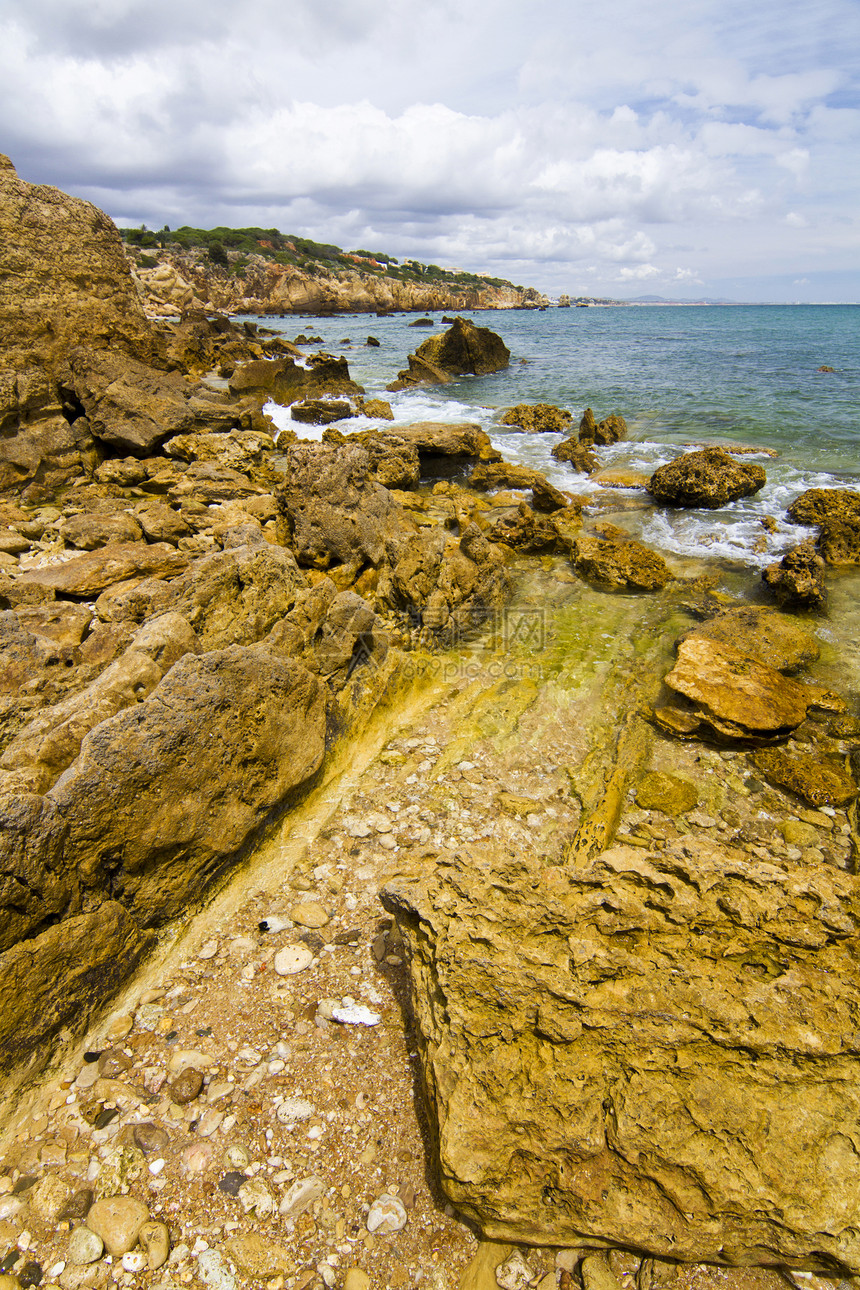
(655, 1051)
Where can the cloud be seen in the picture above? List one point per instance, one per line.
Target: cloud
(550, 142)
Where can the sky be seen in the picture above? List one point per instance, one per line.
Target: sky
(622, 148)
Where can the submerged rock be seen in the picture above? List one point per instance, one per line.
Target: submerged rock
(761, 634)
(655, 1053)
(734, 695)
(797, 580)
(619, 562)
(817, 779)
(710, 478)
(538, 418)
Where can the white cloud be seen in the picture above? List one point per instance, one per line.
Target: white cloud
(619, 143)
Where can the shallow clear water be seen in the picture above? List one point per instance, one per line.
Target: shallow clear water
(679, 376)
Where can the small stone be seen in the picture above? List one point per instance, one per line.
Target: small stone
(134, 1261)
(30, 1275)
(197, 1158)
(209, 950)
(292, 959)
(255, 1196)
(387, 1214)
(356, 1279)
(515, 1273)
(85, 1246)
(213, 1272)
(120, 1027)
(358, 829)
(256, 1256)
(77, 1207)
(355, 1014)
(209, 1122)
(231, 1182)
(274, 923)
(149, 1137)
(189, 1057)
(309, 913)
(49, 1198)
(186, 1087)
(88, 1075)
(301, 1196)
(118, 1220)
(155, 1240)
(112, 1063)
(293, 1109)
(237, 1156)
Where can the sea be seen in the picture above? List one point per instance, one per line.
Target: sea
(682, 377)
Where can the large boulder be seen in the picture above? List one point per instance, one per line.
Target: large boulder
(153, 806)
(84, 576)
(656, 1051)
(576, 454)
(710, 478)
(735, 696)
(462, 350)
(447, 439)
(285, 381)
(610, 430)
(820, 505)
(337, 514)
(761, 634)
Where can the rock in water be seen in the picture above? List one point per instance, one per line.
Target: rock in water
(710, 478)
(653, 1051)
(462, 350)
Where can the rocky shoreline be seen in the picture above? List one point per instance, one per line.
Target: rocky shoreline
(265, 680)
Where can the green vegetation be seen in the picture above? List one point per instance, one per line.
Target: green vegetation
(231, 248)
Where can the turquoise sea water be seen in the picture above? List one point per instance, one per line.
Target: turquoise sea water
(680, 376)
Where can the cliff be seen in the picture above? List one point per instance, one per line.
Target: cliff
(189, 279)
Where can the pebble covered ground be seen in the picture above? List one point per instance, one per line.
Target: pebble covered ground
(253, 1118)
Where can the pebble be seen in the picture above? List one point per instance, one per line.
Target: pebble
(196, 1158)
(149, 1137)
(356, 1279)
(357, 829)
(387, 1214)
(274, 923)
(188, 1057)
(186, 1087)
(309, 913)
(301, 1196)
(88, 1075)
(255, 1196)
(134, 1261)
(112, 1063)
(118, 1220)
(49, 1198)
(355, 1014)
(155, 1239)
(514, 1273)
(237, 1156)
(78, 1206)
(293, 1109)
(85, 1246)
(292, 959)
(213, 1272)
(209, 950)
(209, 1122)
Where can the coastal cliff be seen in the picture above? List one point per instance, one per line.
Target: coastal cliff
(189, 280)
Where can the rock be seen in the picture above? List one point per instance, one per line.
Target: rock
(797, 581)
(821, 505)
(538, 418)
(49, 1198)
(186, 1087)
(387, 1214)
(94, 529)
(283, 380)
(523, 530)
(319, 412)
(490, 477)
(839, 541)
(258, 1256)
(620, 478)
(546, 497)
(84, 576)
(462, 349)
(709, 478)
(736, 696)
(670, 1015)
(610, 430)
(356, 1279)
(597, 1274)
(78, 1206)
(480, 1273)
(761, 634)
(85, 1246)
(335, 513)
(59, 976)
(236, 597)
(380, 409)
(149, 1138)
(292, 959)
(256, 1198)
(300, 1196)
(658, 791)
(817, 779)
(112, 1062)
(118, 1221)
(576, 454)
(309, 913)
(447, 439)
(154, 795)
(619, 562)
(393, 463)
(210, 1265)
